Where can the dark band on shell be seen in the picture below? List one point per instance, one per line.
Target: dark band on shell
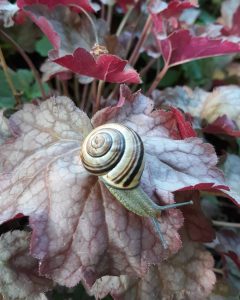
(116, 153)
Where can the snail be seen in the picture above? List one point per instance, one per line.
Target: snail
(115, 153)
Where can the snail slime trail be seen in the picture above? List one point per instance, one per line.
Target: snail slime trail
(115, 153)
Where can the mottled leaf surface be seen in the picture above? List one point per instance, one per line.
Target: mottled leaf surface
(79, 230)
(19, 271)
(187, 275)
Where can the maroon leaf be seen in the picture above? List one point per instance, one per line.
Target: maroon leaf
(171, 12)
(106, 67)
(124, 4)
(184, 126)
(197, 225)
(181, 46)
(85, 4)
(222, 125)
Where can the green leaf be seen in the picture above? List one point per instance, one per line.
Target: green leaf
(23, 81)
(43, 46)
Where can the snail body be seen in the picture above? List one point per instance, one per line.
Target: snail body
(115, 153)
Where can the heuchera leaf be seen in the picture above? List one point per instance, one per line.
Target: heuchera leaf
(231, 169)
(107, 67)
(124, 4)
(80, 232)
(67, 37)
(223, 100)
(181, 46)
(85, 4)
(222, 125)
(178, 45)
(19, 271)
(65, 29)
(187, 275)
(198, 227)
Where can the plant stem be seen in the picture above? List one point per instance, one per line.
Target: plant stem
(84, 96)
(124, 20)
(90, 20)
(103, 12)
(147, 67)
(99, 94)
(225, 224)
(65, 88)
(158, 78)
(58, 85)
(136, 52)
(76, 90)
(27, 60)
(109, 16)
(9, 79)
(218, 271)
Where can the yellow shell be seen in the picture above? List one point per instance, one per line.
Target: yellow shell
(115, 152)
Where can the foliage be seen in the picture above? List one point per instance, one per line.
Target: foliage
(63, 232)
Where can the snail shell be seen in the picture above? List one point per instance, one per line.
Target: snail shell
(115, 152)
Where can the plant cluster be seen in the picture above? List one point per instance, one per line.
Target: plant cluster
(170, 71)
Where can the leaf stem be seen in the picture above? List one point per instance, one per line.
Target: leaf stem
(99, 94)
(27, 60)
(136, 52)
(65, 88)
(90, 20)
(124, 20)
(84, 96)
(8, 78)
(76, 90)
(225, 224)
(157, 79)
(109, 16)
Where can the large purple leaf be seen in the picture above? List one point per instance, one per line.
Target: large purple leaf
(79, 230)
(187, 275)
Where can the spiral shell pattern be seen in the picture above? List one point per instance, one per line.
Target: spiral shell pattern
(115, 152)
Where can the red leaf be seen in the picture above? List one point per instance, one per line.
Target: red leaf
(184, 126)
(124, 4)
(171, 13)
(106, 67)
(197, 225)
(181, 46)
(222, 125)
(52, 3)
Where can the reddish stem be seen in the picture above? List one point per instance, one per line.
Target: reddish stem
(136, 52)
(157, 79)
